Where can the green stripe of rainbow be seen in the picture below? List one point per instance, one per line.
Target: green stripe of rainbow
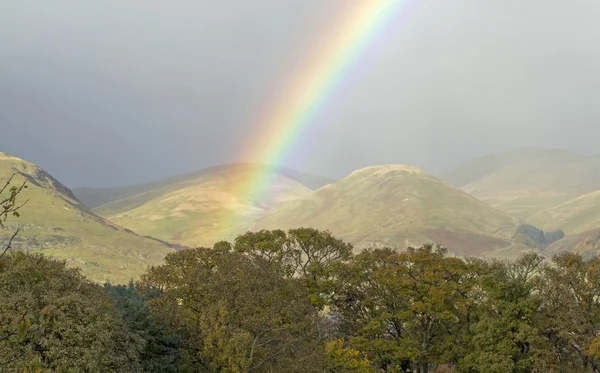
(331, 64)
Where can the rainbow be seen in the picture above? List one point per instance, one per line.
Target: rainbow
(330, 65)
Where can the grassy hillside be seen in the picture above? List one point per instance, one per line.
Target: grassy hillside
(188, 209)
(578, 215)
(523, 182)
(398, 205)
(55, 223)
(94, 197)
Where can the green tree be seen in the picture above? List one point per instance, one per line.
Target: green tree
(235, 313)
(305, 253)
(570, 312)
(343, 359)
(85, 333)
(405, 309)
(273, 246)
(162, 349)
(505, 337)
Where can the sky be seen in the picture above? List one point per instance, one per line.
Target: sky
(117, 92)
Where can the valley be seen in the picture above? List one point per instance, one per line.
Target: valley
(475, 210)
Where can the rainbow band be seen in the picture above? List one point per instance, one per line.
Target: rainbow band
(339, 54)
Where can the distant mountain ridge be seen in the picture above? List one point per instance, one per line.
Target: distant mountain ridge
(523, 182)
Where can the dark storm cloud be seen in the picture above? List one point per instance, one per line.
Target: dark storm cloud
(116, 92)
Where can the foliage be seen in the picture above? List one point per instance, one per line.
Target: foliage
(570, 312)
(403, 307)
(301, 301)
(10, 207)
(341, 359)
(504, 337)
(534, 237)
(550, 237)
(234, 313)
(80, 331)
(162, 349)
(305, 253)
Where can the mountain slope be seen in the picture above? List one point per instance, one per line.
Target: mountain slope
(55, 223)
(523, 182)
(578, 215)
(192, 209)
(398, 205)
(94, 197)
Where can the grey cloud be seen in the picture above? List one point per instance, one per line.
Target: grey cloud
(116, 92)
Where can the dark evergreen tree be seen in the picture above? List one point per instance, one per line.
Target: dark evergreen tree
(162, 349)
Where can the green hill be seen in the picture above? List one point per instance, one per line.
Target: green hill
(523, 182)
(94, 197)
(56, 223)
(398, 206)
(578, 215)
(187, 209)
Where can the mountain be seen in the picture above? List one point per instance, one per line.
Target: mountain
(94, 197)
(398, 205)
(575, 216)
(56, 223)
(523, 182)
(192, 209)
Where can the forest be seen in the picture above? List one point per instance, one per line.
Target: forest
(301, 301)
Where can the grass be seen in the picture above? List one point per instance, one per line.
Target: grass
(393, 205)
(193, 210)
(55, 223)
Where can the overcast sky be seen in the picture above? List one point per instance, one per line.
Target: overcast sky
(115, 92)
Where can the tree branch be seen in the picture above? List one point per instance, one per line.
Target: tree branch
(9, 245)
(7, 182)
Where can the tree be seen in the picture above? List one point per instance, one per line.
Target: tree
(273, 246)
(505, 337)
(305, 253)
(570, 312)
(84, 332)
(343, 359)
(404, 309)
(235, 313)
(162, 349)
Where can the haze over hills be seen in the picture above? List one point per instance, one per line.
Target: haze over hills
(187, 209)
(525, 181)
(56, 223)
(397, 205)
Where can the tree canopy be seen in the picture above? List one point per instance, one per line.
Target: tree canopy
(303, 301)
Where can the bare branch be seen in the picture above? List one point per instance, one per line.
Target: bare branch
(7, 183)
(9, 245)
(18, 207)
